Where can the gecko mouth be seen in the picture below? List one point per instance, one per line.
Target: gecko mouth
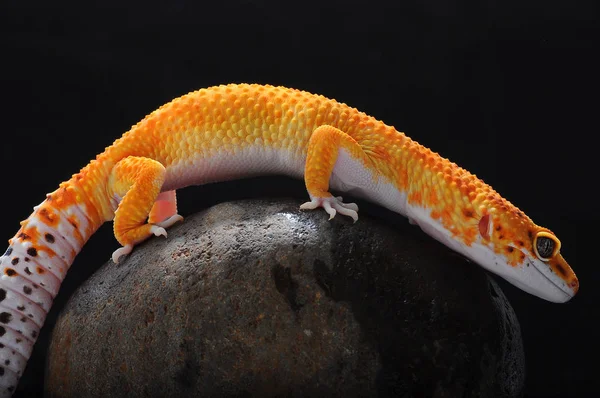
(564, 293)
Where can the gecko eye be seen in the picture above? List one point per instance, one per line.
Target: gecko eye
(545, 245)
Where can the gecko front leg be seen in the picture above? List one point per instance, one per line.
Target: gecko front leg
(138, 181)
(323, 150)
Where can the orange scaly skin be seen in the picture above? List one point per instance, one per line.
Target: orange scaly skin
(234, 131)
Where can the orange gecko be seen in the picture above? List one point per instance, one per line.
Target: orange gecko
(240, 130)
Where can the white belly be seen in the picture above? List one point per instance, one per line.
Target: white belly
(225, 166)
(349, 175)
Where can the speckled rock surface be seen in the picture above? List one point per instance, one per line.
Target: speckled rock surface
(256, 298)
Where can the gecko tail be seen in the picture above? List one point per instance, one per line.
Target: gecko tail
(31, 272)
(27, 290)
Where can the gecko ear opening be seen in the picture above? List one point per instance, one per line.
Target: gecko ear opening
(485, 226)
(545, 245)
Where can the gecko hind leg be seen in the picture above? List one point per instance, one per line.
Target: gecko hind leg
(138, 180)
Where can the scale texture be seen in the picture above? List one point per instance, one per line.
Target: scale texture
(241, 130)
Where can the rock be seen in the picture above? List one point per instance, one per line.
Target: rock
(257, 298)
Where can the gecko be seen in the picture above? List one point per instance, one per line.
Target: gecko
(241, 130)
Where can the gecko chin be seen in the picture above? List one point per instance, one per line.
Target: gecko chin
(533, 276)
(534, 280)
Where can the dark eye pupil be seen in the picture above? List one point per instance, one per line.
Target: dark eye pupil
(545, 247)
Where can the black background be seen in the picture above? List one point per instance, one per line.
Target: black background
(506, 89)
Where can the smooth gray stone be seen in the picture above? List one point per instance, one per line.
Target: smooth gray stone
(258, 298)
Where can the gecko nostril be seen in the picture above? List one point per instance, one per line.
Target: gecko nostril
(574, 285)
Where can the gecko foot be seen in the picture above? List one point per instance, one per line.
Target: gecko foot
(333, 205)
(127, 249)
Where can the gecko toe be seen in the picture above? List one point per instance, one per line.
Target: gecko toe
(169, 221)
(329, 209)
(122, 251)
(348, 212)
(313, 204)
(158, 231)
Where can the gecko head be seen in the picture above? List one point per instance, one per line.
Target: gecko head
(526, 255)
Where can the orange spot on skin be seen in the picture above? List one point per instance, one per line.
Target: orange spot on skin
(30, 233)
(48, 217)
